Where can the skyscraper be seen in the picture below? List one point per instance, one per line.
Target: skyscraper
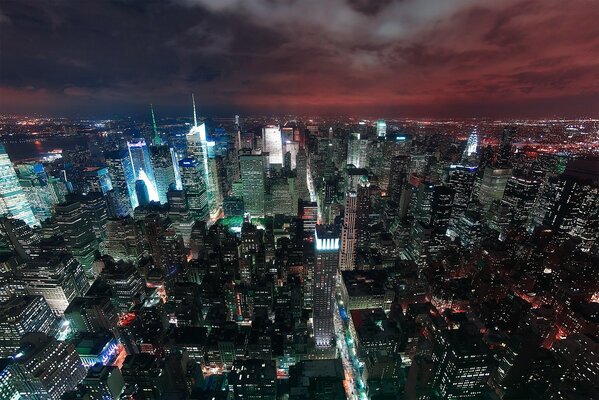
(46, 368)
(492, 186)
(505, 147)
(357, 148)
(123, 180)
(471, 146)
(202, 151)
(323, 292)
(301, 170)
(13, 202)
(348, 233)
(75, 226)
(253, 182)
(142, 166)
(163, 162)
(272, 143)
(194, 186)
(381, 128)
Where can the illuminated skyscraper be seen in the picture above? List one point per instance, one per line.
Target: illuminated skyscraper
(325, 270)
(163, 158)
(13, 202)
(272, 143)
(194, 186)
(471, 145)
(381, 128)
(202, 151)
(142, 166)
(253, 182)
(357, 148)
(123, 180)
(164, 163)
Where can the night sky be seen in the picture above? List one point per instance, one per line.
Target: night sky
(412, 58)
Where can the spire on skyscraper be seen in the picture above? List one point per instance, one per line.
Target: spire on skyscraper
(195, 118)
(157, 140)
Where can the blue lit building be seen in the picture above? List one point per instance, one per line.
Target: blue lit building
(13, 202)
(123, 180)
(142, 166)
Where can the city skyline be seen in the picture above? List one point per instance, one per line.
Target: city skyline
(356, 57)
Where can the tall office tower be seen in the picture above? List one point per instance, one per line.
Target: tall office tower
(124, 240)
(19, 236)
(461, 179)
(492, 186)
(398, 177)
(283, 197)
(141, 191)
(292, 148)
(202, 151)
(432, 211)
(253, 182)
(348, 233)
(273, 145)
(381, 128)
(59, 278)
(462, 364)
(384, 157)
(142, 166)
(357, 150)
(45, 368)
(165, 171)
(96, 179)
(194, 187)
(95, 207)
(471, 146)
(43, 192)
(505, 148)
(74, 225)
(21, 315)
(301, 170)
(568, 205)
(323, 293)
(363, 208)
(105, 382)
(13, 203)
(519, 196)
(126, 283)
(123, 180)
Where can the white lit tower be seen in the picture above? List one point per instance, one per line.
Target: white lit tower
(142, 166)
(202, 151)
(273, 144)
(381, 128)
(471, 146)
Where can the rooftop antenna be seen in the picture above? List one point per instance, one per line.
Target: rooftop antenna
(195, 118)
(157, 139)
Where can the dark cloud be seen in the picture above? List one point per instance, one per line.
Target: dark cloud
(405, 57)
